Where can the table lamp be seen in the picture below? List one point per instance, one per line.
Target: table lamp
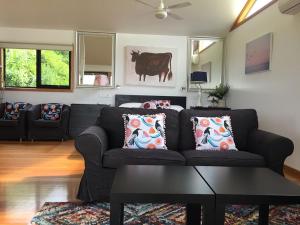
(199, 77)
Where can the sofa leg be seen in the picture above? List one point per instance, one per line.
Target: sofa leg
(20, 140)
(32, 140)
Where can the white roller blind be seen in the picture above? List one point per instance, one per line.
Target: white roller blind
(36, 46)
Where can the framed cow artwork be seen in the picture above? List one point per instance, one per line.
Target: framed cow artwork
(148, 66)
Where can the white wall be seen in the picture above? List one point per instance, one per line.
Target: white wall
(105, 96)
(274, 94)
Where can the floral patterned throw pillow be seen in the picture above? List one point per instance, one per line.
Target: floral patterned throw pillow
(213, 133)
(149, 105)
(51, 111)
(162, 104)
(145, 131)
(12, 110)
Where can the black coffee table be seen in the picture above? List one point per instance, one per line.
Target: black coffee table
(259, 186)
(161, 184)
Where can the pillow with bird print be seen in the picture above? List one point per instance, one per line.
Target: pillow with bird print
(213, 133)
(144, 131)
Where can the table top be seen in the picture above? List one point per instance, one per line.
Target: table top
(162, 180)
(246, 181)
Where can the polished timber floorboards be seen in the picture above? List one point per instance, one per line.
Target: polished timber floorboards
(34, 173)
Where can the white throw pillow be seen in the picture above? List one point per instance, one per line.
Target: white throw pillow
(131, 105)
(176, 107)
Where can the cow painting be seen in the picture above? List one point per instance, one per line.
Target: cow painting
(152, 64)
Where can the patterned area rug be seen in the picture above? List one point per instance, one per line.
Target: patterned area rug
(65, 213)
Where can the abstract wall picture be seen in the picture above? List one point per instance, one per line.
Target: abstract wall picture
(258, 54)
(148, 66)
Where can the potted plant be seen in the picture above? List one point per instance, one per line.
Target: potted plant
(216, 96)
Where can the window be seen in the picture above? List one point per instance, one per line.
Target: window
(258, 4)
(251, 8)
(31, 68)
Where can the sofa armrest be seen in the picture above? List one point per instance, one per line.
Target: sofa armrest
(65, 114)
(91, 144)
(274, 148)
(34, 113)
(2, 107)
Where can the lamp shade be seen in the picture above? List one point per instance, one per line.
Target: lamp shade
(199, 77)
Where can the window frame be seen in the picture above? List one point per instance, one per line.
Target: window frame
(39, 85)
(242, 17)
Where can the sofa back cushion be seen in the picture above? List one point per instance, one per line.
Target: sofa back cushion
(242, 120)
(112, 122)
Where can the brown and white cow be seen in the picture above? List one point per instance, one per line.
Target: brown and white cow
(152, 64)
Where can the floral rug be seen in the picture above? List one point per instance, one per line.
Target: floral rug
(66, 213)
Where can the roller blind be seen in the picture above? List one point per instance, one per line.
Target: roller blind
(36, 46)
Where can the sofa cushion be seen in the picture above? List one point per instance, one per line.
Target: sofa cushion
(145, 131)
(112, 122)
(217, 158)
(213, 133)
(117, 157)
(46, 123)
(243, 121)
(8, 123)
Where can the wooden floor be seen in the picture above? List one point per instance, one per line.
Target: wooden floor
(34, 173)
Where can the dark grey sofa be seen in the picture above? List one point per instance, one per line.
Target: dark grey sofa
(101, 147)
(39, 129)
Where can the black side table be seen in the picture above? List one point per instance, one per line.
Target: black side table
(243, 185)
(162, 184)
(209, 108)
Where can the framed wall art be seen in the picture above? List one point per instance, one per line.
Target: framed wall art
(258, 54)
(148, 66)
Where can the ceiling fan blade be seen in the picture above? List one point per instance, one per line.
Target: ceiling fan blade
(175, 16)
(145, 3)
(180, 5)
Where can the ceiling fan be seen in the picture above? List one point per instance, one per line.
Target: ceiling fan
(163, 11)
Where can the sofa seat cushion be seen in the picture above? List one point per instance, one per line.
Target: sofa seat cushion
(118, 157)
(8, 123)
(46, 123)
(226, 158)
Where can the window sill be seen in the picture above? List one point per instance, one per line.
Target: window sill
(37, 89)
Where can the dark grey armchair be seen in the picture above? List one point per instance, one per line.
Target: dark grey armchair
(39, 129)
(13, 129)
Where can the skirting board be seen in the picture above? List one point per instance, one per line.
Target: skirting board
(292, 172)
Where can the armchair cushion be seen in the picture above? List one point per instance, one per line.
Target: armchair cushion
(228, 158)
(46, 123)
(8, 123)
(51, 111)
(12, 110)
(117, 157)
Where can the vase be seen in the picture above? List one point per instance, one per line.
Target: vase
(222, 103)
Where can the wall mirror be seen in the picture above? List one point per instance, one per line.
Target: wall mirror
(95, 59)
(205, 56)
